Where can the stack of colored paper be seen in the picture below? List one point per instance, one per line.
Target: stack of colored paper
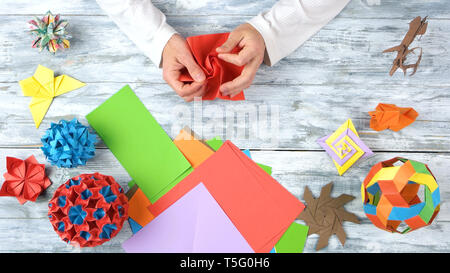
(198, 199)
(139, 143)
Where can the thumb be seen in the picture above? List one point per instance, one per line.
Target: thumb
(192, 67)
(232, 41)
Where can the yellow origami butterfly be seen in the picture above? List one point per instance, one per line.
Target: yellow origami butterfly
(43, 87)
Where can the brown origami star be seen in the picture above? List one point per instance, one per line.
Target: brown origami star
(325, 215)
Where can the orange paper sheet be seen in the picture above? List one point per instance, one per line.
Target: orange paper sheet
(192, 148)
(136, 210)
(217, 71)
(259, 207)
(195, 152)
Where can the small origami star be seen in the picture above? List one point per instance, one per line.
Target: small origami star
(344, 146)
(24, 179)
(325, 215)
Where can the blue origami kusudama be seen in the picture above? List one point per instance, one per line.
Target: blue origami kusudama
(68, 144)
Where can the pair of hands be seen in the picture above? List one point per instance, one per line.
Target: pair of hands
(177, 56)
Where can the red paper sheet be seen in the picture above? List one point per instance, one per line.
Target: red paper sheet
(259, 207)
(217, 71)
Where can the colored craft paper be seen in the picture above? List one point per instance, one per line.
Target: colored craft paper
(137, 209)
(325, 215)
(43, 87)
(195, 152)
(417, 26)
(139, 143)
(215, 143)
(390, 195)
(389, 116)
(259, 207)
(345, 147)
(194, 223)
(293, 240)
(135, 227)
(217, 71)
(24, 179)
(192, 148)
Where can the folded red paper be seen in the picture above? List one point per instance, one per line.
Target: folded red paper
(24, 179)
(217, 71)
(259, 207)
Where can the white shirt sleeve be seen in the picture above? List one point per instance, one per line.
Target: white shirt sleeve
(143, 23)
(289, 23)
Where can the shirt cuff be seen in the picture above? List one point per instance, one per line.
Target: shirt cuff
(159, 41)
(263, 27)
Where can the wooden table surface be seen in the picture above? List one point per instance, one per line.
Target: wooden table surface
(338, 74)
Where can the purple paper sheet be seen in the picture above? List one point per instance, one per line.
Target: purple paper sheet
(195, 223)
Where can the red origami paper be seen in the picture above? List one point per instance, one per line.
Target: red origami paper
(389, 116)
(259, 207)
(217, 71)
(24, 179)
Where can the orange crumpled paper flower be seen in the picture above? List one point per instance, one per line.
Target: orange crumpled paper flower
(390, 116)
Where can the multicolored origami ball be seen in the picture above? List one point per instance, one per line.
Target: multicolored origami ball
(50, 32)
(68, 144)
(400, 198)
(88, 210)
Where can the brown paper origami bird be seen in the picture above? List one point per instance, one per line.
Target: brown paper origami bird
(389, 116)
(416, 27)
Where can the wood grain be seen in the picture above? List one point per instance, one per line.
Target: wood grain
(293, 169)
(305, 113)
(340, 73)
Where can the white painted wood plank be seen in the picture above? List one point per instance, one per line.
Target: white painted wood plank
(294, 170)
(355, 9)
(36, 235)
(347, 51)
(305, 113)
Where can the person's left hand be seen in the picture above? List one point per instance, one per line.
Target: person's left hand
(251, 56)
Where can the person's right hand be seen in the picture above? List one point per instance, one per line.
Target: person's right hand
(176, 57)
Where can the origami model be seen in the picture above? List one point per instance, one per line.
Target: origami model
(24, 179)
(325, 215)
(217, 71)
(43, 87)
(389, 116)
(390, 195)
(68, 144)
(88, 210)
(50, 32)
(416, 27)
(345, 147)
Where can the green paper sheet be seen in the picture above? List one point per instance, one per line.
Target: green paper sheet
(293, 240)
(216, 143)
(139, 143)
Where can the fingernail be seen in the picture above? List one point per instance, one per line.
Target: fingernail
(199, 77)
